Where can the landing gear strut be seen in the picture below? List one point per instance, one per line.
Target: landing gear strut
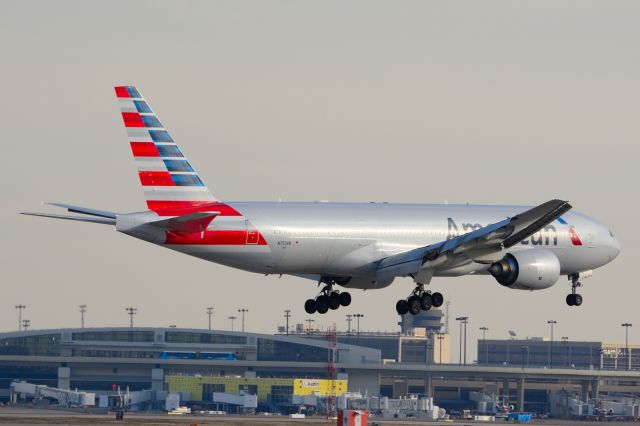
(574, 299)
(419, 300)
(327, 299)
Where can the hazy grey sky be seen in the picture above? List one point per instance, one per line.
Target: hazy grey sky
(491, 102)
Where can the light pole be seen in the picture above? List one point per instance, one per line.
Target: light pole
(349, 324)
(440, 338)
(131, 311)
(551, 323)
(287, 315)
(460, 342)
(565, 343)
(465, 321)
(358, 316)
(484, 341)
(484, 332)
(242, 311)
(232, 318)
(25, 324)
(626, 326)
(20, 308)
(209, 314)
(83, 309)
(309, 321)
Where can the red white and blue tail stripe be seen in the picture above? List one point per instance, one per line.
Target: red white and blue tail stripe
(168, 180)
(186, 214)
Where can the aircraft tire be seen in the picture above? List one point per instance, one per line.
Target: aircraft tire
(437, 299)
(414, 305)
(402, 307)
(570, 300)
(322, 304)
(345, 298)
(577, 300)
(334, 300)
(426, 302)
(310, 306)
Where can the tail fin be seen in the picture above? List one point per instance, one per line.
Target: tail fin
(167, 178)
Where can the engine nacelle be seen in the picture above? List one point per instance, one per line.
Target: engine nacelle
(533, 269)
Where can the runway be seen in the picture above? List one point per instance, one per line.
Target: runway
(34, 416)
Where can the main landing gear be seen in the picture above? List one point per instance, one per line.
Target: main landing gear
(327, 299)
(419, 300)
(574, 299)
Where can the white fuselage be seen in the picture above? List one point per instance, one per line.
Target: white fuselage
(347, 239)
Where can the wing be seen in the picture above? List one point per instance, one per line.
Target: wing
(482, 245)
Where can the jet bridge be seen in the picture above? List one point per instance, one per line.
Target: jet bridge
(64, 396)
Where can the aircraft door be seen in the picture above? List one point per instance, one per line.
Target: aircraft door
(252, 233)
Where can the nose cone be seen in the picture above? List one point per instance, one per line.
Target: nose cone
(610, 244)
(614, 247)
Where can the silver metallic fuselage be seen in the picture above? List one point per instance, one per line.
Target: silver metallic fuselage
(346, 239)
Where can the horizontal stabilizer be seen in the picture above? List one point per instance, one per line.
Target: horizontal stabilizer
(83, 210)
(189, 223)
(102, 220)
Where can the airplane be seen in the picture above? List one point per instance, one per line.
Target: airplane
(350, 245)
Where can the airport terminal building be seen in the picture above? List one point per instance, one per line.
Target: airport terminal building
(199, 362)
(139, 358)
(539, 352)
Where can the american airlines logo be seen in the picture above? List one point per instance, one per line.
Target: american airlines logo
(545, 237)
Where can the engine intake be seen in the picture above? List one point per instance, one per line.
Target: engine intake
(533, 269)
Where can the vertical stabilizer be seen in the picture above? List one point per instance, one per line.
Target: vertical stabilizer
(168, 179)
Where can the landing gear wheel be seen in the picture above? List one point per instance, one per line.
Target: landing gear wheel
(345, 299)
(577, 300)
(437, 299)
(574, 299)
(334, 300)
(322, 304)
(426, 302)
(414, 305)
(402, 307)
(310, 306)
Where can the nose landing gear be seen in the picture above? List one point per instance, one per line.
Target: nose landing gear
(327, 299)
(574, 299)
(419, 300)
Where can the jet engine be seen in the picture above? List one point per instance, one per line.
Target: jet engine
(533, 269)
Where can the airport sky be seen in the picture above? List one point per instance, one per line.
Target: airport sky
(479, 102)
